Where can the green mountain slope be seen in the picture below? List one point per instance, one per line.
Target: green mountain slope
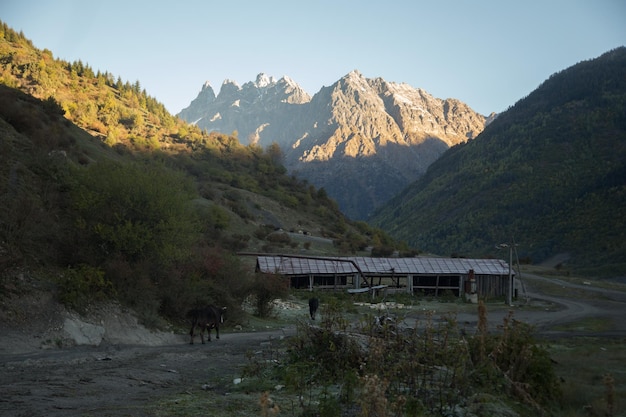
(548, 174)
(104, 194)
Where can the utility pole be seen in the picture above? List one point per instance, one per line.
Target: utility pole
(510, 275)
(509, 292)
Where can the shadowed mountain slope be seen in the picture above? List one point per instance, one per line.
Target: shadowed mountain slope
(549, 174)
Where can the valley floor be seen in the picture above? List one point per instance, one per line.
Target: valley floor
(157, 374)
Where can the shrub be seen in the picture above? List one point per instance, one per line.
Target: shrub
(382, 251)
(52, 106)
(513, 361)
(263, 231)
(217, 217)
(265, 289)
(279, 238)
(80, 286)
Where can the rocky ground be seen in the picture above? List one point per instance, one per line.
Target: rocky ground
(56, 363)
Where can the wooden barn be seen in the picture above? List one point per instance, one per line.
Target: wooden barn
(421, 275)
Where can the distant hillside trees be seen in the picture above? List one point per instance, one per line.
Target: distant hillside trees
(548, 173)
(24, 67)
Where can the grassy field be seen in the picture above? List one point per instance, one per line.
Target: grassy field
(593, 375)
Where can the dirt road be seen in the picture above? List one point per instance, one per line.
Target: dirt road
(122, 380)
(554, 313)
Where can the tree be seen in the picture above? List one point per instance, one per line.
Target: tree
(275, 153)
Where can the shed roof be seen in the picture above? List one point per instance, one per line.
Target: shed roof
(288, 265)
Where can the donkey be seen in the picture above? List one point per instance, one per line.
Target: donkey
(208, 317)
(314, 303)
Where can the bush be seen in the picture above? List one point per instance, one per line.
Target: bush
(265, 289)
(78, 287)
(53, 107)
(513, 361)
(382, 251)
(263, 231)
(279, 238)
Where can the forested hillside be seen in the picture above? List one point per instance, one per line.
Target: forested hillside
(104, 194)
(549, 174)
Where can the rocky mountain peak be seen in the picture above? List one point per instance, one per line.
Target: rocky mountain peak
(357, 128)
(285, 79)
(263, 80)
(229, 87)
(353, 75)
(204, 99)
(353, 82)
(207, 86)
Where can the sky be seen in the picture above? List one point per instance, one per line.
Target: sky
(486, 53)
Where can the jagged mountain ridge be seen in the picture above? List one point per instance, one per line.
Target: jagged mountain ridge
(247, 109)
(361, 139)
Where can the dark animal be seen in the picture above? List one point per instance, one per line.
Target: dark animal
(208, 317)
(314, 303)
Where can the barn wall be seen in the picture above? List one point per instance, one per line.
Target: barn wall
(487, 286)
(437, 284)
(492, 286)
(319, 281)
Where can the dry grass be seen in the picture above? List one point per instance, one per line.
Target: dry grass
(583, 365)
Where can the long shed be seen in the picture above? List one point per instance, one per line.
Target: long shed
(428, 275)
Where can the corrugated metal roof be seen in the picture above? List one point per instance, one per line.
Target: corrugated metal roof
(380, 266)
(303, 266)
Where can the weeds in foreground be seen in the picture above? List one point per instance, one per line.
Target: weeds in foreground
(609, 383)
(378, 368)
(268, 407)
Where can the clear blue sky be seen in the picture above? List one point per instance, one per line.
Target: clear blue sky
(487, 53)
